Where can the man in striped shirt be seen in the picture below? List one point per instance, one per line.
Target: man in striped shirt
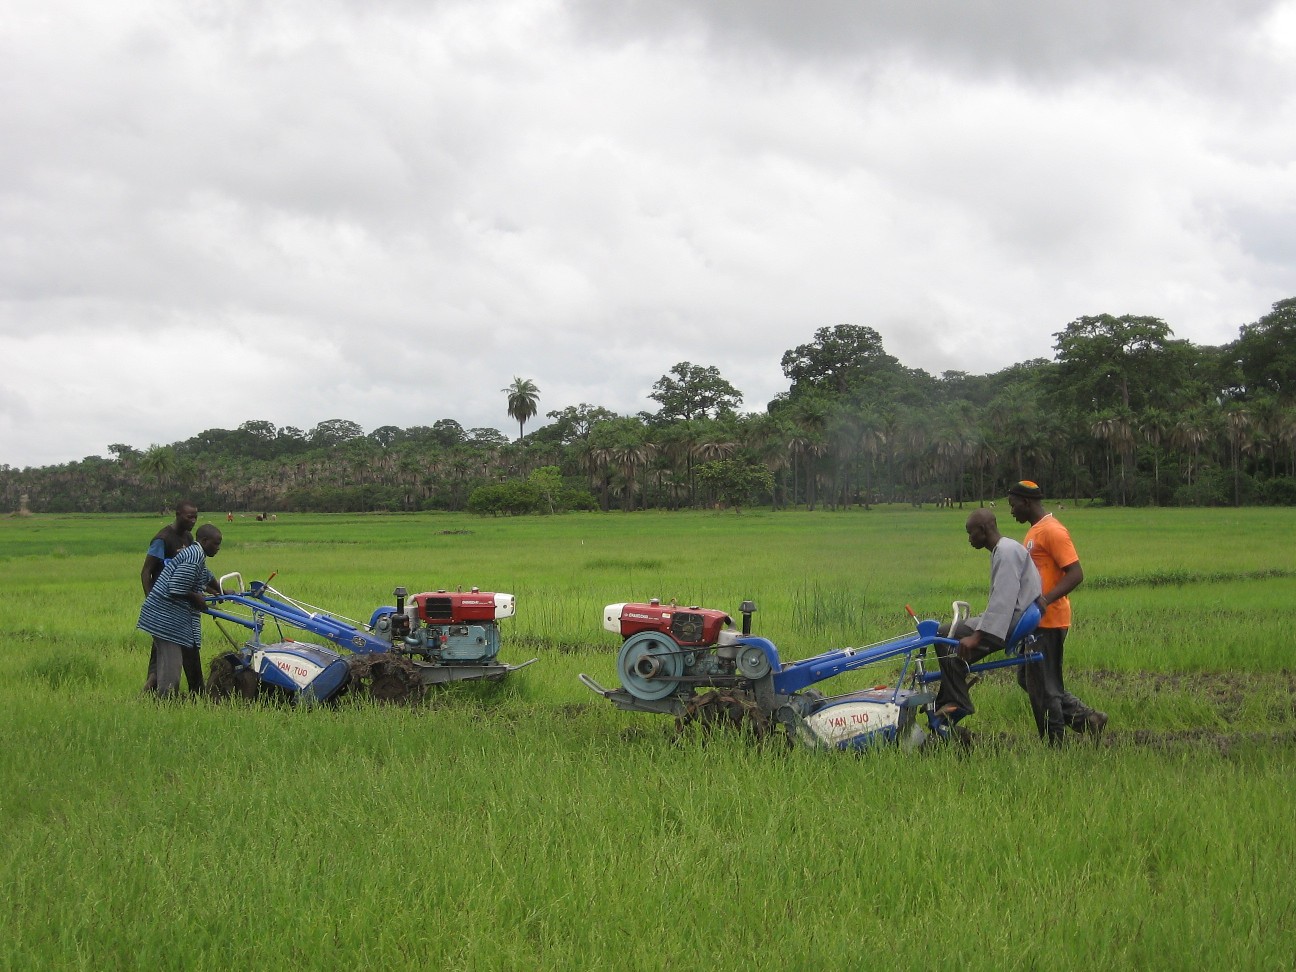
(172, 611)
(166, 543)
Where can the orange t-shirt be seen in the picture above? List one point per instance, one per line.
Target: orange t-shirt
(1051, 548)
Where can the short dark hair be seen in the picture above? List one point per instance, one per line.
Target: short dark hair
(207, 531)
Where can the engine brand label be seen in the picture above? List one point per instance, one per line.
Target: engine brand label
(301, 671)
(840, 723)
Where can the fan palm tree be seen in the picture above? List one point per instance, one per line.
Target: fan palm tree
(523, 396)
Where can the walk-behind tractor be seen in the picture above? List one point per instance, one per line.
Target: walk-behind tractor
(691, 662)
(433, 638)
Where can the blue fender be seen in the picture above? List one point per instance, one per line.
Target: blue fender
(329, 682)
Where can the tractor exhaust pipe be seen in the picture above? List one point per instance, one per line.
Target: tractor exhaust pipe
(747, 609)
(400, 621)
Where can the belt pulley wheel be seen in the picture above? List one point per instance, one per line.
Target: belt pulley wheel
(648, 665)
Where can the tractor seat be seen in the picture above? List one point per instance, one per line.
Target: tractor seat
(1024, 633)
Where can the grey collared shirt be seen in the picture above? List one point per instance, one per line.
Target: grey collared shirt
(1014, 584)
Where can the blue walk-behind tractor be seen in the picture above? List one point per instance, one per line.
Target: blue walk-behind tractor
(434, 638)
(692, 663)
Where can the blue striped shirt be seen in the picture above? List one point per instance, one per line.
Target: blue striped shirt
(166, 612)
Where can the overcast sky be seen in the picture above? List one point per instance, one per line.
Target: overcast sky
(384, 210)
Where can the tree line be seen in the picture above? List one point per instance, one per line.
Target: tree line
(1124, 413)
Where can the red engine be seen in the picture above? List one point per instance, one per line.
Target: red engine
(456, 607)
(687, 625)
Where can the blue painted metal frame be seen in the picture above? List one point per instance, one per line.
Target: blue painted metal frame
(256, 600)
(802, 674)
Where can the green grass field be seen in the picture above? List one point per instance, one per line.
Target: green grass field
(534, 826)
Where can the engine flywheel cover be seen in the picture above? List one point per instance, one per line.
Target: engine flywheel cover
(648, 664)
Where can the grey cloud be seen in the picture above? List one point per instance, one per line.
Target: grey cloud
(1055, 40)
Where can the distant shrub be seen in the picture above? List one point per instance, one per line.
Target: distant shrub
(1279, 492)
(1213, 487)
(512, 498)
(579, 499)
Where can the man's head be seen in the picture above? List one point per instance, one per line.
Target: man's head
(209, 538)
(982, 530)
(186, 516)
(1026, 501)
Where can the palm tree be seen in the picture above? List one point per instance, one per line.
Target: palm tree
(1115, 428)
(159, 462)
(1237, 421)
(1155, 426)
(1191, 432)
(523, 395)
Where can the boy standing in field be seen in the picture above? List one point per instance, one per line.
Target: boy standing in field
(1050, 546)
(172, 610)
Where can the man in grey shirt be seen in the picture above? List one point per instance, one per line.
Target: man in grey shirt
(1014, 586)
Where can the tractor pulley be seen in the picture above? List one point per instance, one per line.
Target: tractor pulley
(649, 665)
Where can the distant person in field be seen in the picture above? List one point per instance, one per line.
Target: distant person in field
(172, 609)
(1050, 546)
(1014, 585)
(166, 543)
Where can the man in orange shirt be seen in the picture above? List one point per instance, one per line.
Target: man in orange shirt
(1055, 557)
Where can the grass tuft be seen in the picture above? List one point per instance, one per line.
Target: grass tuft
(68, 668)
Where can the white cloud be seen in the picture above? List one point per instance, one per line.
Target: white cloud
(384, 211)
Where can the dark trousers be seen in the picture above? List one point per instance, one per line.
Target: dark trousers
(1053, 706)
(953, 685)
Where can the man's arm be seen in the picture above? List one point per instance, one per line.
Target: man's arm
(1005, 588)
(149, 573)
(1072, 575)
(154, 561)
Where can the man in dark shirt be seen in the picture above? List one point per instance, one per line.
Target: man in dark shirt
(166, 543)
(172, 610)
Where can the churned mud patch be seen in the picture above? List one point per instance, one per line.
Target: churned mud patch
(1226, 692)
(1200, 739)
(1228, 697)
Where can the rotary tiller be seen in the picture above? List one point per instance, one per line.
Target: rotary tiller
(433, 638)
(691, 663)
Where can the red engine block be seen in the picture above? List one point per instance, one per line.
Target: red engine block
(455, 607)
(687, 625)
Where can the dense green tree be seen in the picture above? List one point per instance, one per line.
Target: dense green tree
(838, 359)
(386, 435)
(1113, 362)
(447, 432)
(736, 482)
(694, 392)
(1266, 353)
(573, 423)
(334, 432)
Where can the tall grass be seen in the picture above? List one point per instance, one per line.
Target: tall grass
(533, 826)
